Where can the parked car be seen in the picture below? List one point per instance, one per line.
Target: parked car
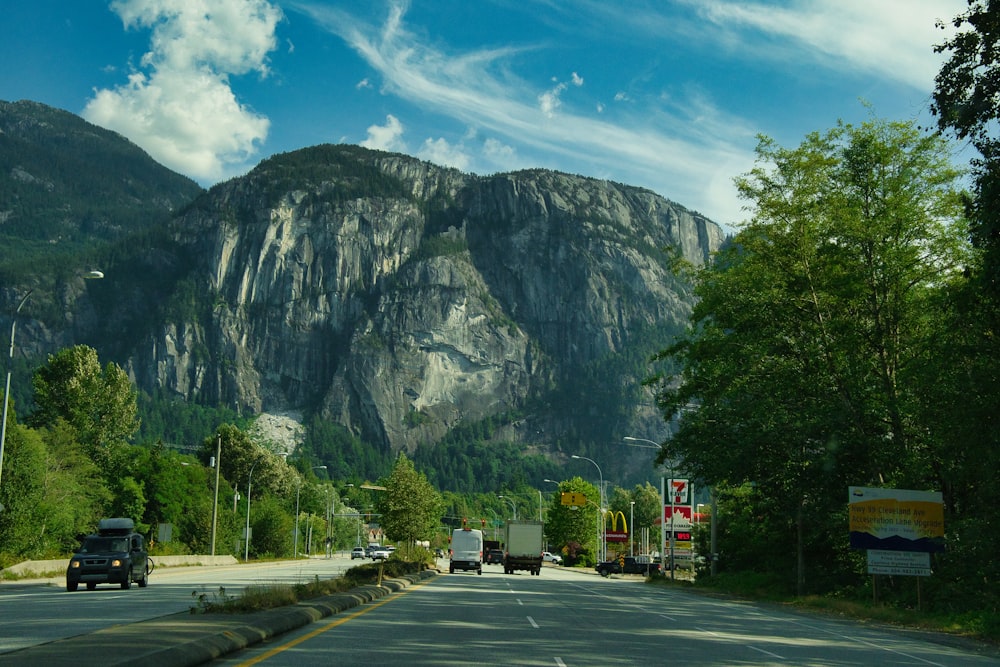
(555, 559)
(494, 556)
(358, 552)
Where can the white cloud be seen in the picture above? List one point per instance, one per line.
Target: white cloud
(439, 151)
(657, 150)
(892, 38)
(502, 156)
(179, 106)
(386, 137)
(677, 143)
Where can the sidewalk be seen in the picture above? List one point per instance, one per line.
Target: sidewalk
(185, 639)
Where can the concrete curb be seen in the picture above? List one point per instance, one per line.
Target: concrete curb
(185, 640)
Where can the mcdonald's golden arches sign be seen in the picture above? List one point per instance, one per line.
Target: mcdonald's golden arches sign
(615, 535)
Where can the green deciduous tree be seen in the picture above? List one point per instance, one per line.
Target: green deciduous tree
(99, 403)
(574, 530)
(411, 508)
(963, 394)
(965, 101)
(811, 328)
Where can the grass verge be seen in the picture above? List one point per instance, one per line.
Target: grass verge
(260, 597)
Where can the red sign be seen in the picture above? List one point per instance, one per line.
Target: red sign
(682, 515)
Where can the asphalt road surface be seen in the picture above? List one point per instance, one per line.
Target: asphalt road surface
(35, 612)
(569, 619)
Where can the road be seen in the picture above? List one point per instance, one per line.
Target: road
(32, 613)
(569, 619)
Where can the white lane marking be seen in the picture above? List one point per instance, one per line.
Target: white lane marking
(559, 662)
(532, 621)
(865, 642)
(773, 655)
(520, 602)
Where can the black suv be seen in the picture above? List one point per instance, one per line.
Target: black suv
(494, 556)
(115, 555)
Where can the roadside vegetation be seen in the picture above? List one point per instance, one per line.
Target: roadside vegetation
(269, 596)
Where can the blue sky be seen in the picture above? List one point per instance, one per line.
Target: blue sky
(665, 94)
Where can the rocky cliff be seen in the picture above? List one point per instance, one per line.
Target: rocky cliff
(401, 299)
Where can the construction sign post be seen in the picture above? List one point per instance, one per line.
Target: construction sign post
(899, 528)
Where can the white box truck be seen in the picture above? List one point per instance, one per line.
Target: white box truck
(523, 546)
(466, 550)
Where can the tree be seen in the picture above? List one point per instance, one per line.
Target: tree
(965, 101)
(99, 404)
(574, 529)
(963, 394)
(411, 508)
(645, 513)
(810, 327)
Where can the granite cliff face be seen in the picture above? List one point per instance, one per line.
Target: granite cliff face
(401, 299)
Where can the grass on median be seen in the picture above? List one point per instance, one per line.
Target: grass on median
(268, 596)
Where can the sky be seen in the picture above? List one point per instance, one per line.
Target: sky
(670, 95)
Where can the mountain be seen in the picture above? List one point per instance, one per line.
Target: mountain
(67, 186)
(403, 300)
(418, 308)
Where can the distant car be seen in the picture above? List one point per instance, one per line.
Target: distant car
(555, 559)
(357, 552)
(439, 553)
(380, 553)
(494, 556)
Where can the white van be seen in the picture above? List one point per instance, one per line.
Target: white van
(466, 550)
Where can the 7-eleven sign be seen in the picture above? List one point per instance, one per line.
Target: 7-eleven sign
(679, 489)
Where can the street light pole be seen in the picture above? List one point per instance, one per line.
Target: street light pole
(246, 553)
(295, 547)
(602, 547)
(10, 368)
(215, 500)
(90, 275)
(663, 500)
(512, 505)
(631, 527)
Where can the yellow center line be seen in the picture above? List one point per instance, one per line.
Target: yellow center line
(332, 624)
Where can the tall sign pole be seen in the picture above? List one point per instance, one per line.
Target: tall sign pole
(215, 501)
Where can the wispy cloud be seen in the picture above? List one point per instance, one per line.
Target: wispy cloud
(892, 38)
(179, 105)
(678, 142)
(477, 88)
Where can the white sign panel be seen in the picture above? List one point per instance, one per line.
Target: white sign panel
(900, 563)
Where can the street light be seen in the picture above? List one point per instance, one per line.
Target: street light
(295, 548)
(663, 500)
(602, 548)
(631, 527)
(215, 498)
(90, 275)
(10, 367)
(246, 553)
(512, 505)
